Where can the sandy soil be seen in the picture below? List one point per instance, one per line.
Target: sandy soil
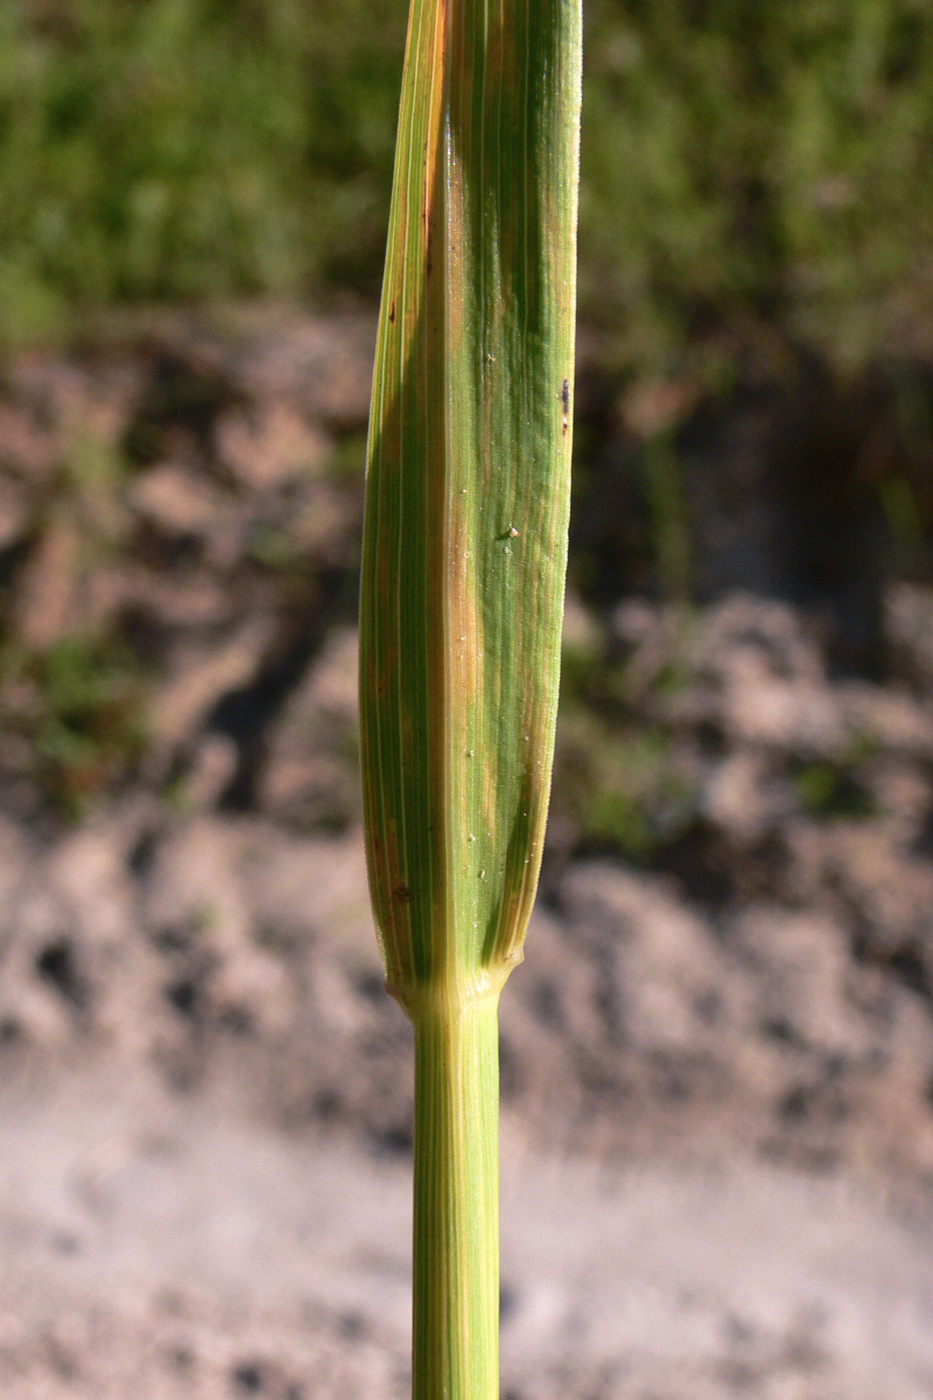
(160, 1247)
(207, 1194)
(717, 1058)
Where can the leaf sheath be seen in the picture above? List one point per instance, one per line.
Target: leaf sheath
(468, 487)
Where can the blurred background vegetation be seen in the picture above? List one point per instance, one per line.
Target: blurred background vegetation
(752, 174)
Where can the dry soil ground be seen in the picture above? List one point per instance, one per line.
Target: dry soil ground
(717, 1058)
(156, 1247)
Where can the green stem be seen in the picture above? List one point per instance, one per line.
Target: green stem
(456, 1218)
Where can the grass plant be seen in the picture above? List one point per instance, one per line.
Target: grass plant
(464, 556)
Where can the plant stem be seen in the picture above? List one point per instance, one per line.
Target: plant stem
(455, 1353)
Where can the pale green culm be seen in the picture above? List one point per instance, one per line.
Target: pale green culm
(464, 558)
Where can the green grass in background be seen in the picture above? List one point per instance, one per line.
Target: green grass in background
(748, 169)
(753, 165)
(191, 149)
